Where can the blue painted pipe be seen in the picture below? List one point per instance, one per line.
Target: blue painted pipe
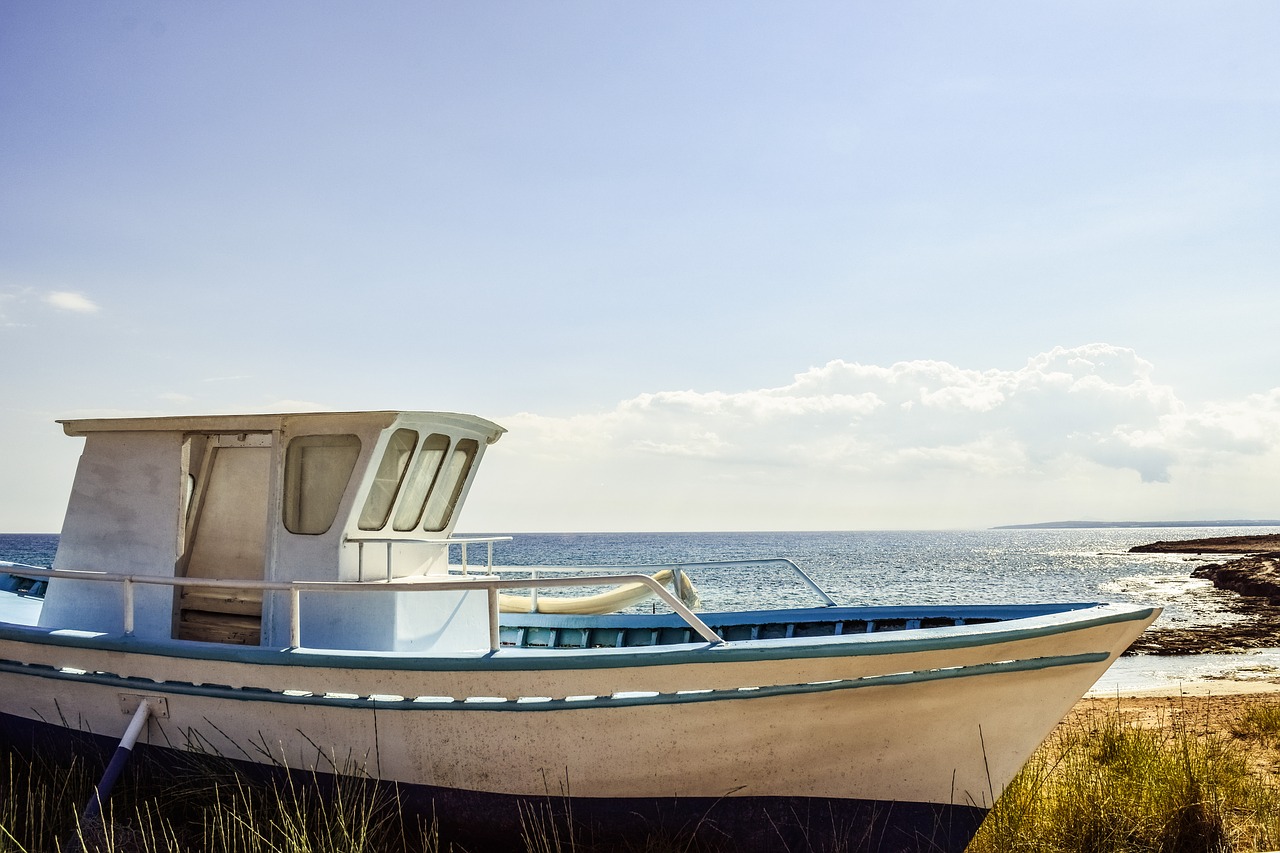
(102, 791)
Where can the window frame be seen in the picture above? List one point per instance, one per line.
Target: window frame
(415, 495)
(462, 457)
(295, 494)
(378, 490)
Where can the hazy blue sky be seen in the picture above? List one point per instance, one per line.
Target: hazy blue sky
(716, 265)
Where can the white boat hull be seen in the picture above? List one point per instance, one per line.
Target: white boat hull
(932, 722)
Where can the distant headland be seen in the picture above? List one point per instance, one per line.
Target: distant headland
(1071, 525)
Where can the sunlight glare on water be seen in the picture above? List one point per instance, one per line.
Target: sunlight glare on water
(915, 567)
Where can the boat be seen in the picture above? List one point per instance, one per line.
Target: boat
(287, 591)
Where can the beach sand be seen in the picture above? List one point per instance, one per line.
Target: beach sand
(1203, 706)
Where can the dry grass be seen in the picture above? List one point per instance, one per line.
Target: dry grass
(206, 804)
(1183, 775)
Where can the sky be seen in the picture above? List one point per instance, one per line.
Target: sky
(715, 265)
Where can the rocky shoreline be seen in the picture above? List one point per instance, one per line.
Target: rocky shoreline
(1254, 576)
(1213, 545)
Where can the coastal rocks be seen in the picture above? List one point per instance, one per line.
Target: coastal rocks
(1255, 577)
(1213, 545)
(1260, 629)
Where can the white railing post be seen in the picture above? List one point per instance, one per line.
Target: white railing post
(128, 607)
(494, 639)
(464, 558)
(359, 561)
(389, 543)
(295, 617)
(533, 593)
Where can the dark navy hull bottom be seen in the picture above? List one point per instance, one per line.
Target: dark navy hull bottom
(739, 823)
(495, 823)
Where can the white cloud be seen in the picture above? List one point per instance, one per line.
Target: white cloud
(845, 444)
(1094, 401)
(14, 299)
(67, 301)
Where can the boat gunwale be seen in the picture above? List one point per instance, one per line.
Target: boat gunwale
(1064, 618)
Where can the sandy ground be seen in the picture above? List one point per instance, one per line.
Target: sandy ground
(1210, 710)
(1202, 705)
(1208, 705)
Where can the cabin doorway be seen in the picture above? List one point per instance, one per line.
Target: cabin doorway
(226, 537)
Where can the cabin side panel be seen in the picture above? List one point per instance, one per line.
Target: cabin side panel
(320, 460)
(123, 516)
(420, 621)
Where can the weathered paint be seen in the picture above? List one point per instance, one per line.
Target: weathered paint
(883, 727)
(957, 740)
(486, 822)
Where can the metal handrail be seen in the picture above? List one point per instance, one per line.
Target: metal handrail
(418, 583)
(389, 542)
(827, 600)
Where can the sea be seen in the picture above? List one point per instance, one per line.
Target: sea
(910, 567)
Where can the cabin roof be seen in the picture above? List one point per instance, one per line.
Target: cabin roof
(269, 422)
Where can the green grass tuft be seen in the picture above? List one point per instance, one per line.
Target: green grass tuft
(1261, 723)
(208, 805)
(1102, 784)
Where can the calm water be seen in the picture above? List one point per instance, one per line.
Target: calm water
(903, 567)
(895, 567)
(34, 549)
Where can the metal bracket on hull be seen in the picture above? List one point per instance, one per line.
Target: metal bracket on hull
(129, 703)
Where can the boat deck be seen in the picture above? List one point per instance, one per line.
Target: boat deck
(544, 631)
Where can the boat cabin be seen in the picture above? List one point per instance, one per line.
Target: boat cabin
(320, 497)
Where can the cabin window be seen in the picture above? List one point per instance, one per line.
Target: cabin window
(316, 471)
(426, 468)
(388, 479)
(444, 497)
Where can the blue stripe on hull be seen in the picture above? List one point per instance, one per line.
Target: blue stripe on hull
(496, 823)
(553, 705)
